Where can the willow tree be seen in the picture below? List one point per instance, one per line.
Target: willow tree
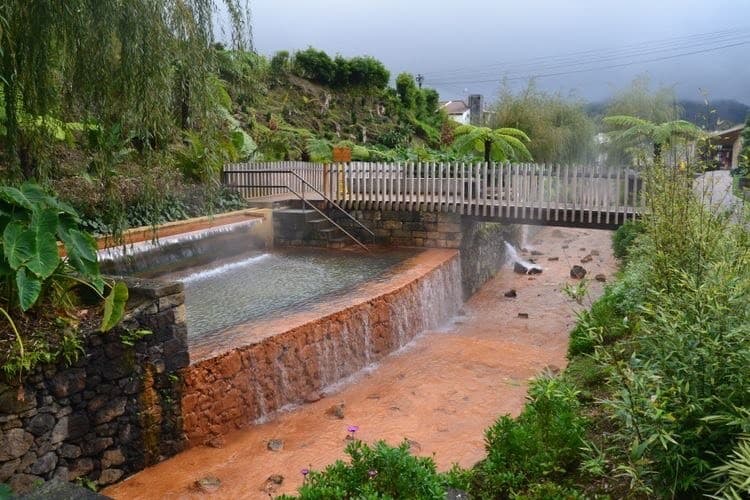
(142, 64)
(499, 144)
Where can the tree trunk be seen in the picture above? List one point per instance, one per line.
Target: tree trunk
(487, 151)
(657, 152)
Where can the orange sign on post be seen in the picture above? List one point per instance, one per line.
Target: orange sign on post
(342, 155)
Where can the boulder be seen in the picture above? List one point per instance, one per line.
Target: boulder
(577, 272)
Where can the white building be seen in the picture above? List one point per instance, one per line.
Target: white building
(458, 111)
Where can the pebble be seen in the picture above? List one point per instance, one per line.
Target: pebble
(600, 277)
(336, 411)
(523, 315)
(275, 444)
(208, 484)
(511, 293)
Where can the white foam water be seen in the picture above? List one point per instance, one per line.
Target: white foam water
(119, 252)
(208, 273)
(512, 257)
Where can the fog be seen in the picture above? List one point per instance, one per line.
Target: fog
(585, 47)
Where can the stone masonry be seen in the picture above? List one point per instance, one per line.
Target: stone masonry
(113, 411)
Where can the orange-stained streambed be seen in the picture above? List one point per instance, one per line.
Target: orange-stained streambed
(440, 393)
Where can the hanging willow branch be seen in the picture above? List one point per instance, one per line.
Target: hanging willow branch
(144, 64)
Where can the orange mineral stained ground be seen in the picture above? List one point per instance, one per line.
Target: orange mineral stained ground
(440, 393)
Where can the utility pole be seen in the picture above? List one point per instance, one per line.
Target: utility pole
(420, 79)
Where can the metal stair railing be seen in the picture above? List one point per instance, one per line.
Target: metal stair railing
(302, 197)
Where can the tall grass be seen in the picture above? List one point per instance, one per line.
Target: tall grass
(681, 382)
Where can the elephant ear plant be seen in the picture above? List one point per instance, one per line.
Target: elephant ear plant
(35, 279)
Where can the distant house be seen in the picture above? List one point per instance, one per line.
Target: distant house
(728, 144)
(458, 111)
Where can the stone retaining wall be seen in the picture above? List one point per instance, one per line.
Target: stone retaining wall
(482, 244)
(111, 413)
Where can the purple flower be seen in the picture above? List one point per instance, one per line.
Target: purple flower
(305, 472)
(353, 428)
(372, 473)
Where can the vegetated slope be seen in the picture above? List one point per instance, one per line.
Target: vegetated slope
(295, 107)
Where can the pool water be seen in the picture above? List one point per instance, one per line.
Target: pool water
(258, 285)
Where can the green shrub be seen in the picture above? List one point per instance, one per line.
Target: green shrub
(34, 276)
(681, 388)
(541, 444)
(624, 238)
(604, 323)
(378, 471)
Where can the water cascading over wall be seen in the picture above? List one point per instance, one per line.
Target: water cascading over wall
(249, 383)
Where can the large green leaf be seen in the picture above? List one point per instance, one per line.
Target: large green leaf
(40, 244)
(11, 237)
(36, 195)
(29, 288)
(114, 306)
(16, 197)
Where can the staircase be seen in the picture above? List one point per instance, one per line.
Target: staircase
(297, 225)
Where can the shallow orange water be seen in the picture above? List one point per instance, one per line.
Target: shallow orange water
(440, 393)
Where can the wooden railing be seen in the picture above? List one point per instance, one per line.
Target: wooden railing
(522, 192)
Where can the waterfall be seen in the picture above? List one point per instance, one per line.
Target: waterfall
(285, 369)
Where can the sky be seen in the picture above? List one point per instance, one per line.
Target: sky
(461, 48)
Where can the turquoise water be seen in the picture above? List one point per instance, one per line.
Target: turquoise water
(259, 285)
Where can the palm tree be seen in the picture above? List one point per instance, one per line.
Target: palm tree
(497, 144)
(631, 129)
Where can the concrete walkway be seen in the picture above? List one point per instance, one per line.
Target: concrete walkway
(716, 189)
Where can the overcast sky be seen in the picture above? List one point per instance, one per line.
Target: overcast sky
(464, 48)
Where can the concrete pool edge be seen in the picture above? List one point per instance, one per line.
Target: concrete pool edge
(297, 357)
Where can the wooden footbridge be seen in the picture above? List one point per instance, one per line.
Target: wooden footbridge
(519, 193)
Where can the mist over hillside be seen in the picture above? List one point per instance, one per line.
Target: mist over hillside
(716, 115)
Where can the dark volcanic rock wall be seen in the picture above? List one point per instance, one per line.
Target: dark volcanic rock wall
(113, 411)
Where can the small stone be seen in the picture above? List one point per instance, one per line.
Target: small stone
(275, 444)
(535, 270)
(24, 483)
(208, 484)
(312, 397)
(112, 457)
(564, 246)
(69, 451)
(272, 483)
(511, 293)
(595, 253)
(523, 315)
(216, 442)
(14, 444)
(336, 411)
(109, 476)
(536, 252)
(41, 424)
(600, 277)
(553, 259)
(68, 382)
(8, 469)
(582, 249)
(414, 445)
(520, 268)
(587, 259)
(111, 410)
(44, 464)
(275, 479)
(577, 272)
(80, 467)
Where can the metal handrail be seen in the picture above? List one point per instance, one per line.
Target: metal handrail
(301, 197)
(305, 183)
